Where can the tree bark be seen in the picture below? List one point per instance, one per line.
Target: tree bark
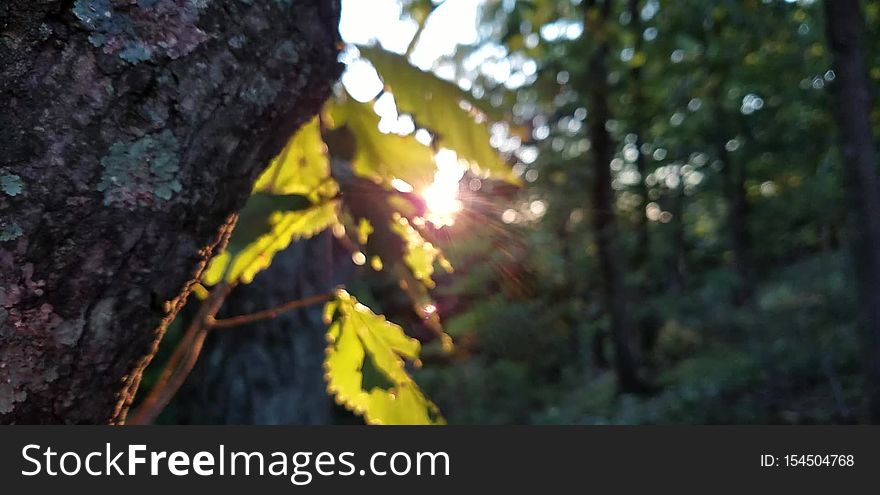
(269, 372)
(604, 217)
(846, 35)
(734, 177)
(643, 234)
(678, 263)
(646, 323)
(132, 132)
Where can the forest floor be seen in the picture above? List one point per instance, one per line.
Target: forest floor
(789, 357)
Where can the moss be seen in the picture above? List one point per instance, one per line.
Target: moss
(9, 397)
(286, 51)
(142, 173)
(261, 91)
(101, 317)
(68, 332)
(237, 41)
(9, 231)
(137, 52)
(11, 184)
(138, 31)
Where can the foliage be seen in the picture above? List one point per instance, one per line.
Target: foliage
(272, 223)
(381, 157)
(366, 369)
(337, 173)
(699, 93)
(458, 120)
(291, 200)
(421, 255)
(718, 109)
(301, 168)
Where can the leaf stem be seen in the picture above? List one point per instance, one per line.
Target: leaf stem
(416, 37)
(269, 313)
(186, 354)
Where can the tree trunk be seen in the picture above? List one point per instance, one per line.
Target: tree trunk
(643, 236)
(604, 218)
(733, 185)
(678, 263)
(269, 372)
(846, 35)
(647, 320)
(132, 133)
(734, 177)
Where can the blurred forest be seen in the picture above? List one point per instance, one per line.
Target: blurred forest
(690, 241)
(730, 240)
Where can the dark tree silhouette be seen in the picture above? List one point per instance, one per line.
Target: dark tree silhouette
(603, 204)
(846, 35)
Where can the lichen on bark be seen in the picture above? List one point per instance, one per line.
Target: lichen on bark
(138, 30)
(142, 173)
(127, 174)
(11, 184)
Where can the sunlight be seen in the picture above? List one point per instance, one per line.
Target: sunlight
(442, 203)
(401, 185)
(441, 197)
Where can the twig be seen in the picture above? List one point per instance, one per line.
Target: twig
(270, 313)
(186, 354)
(182, 360)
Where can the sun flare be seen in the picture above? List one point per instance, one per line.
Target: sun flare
(441, 197)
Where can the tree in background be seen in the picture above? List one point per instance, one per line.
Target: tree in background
(270, 371)
(855, 100)
(728, 160)
(597, 28)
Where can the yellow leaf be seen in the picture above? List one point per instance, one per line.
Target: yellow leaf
(379, 156)
(365, 366)
(243, 263)
(459, 121)
(302, 167)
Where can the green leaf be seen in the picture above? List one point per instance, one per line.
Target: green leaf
(419, 254)
(301, 168)
(419, 9)
(290, 201)
(253, 246)
(379, 156)
(255, 219)
(365, 366)
(457, 119)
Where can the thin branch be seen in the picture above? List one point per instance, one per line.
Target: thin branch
(186, 354)
(270, 313)
(182, 360)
